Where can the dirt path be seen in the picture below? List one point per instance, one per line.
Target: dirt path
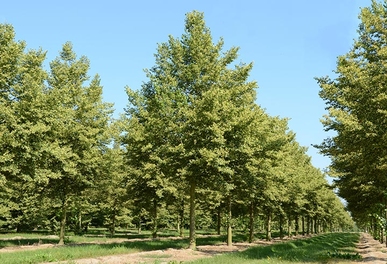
(371, 250)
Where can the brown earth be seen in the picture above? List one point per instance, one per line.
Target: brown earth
(371, 250)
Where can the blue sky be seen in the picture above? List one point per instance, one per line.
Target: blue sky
(290, 43)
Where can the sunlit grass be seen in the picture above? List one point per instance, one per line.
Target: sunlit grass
(326, 248)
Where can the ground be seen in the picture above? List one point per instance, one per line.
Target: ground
(370, 250)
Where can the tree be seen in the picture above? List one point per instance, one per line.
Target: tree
(148, 153)
(199, 104)
(356, 101)
(111, 194)
(23, 113)
(78, 130)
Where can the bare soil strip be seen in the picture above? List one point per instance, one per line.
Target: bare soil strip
(371, 250)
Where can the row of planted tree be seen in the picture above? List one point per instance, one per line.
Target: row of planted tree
(357, 105)
(192, 148)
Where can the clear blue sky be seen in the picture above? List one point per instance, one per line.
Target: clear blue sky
(290, 43)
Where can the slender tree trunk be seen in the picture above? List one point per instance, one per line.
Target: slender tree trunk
(229, 224)
(386, 220)
(139, 226)
(155, 224)
(113, 223)
(303, 225)
(63, 223)
(251, 224)
(182, 219)
(192, 222)
(268, 226)
(281, 226)
(296, 226)
(178, 225)
(219, 220)
(289, 227)
(308, 225)
(80, 222)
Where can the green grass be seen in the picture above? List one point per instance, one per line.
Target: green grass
(89, 246)
(319, 249)
(86, 251)
(326, 248)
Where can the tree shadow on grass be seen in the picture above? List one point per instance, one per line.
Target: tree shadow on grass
(27, 241)
(143, 245)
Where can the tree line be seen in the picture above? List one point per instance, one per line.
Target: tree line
(192, 149)
(357, 108)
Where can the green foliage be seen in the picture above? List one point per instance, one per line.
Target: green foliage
(192, 141)
(356, 107)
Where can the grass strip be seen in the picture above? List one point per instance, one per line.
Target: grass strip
(86, 251)
(326, 248)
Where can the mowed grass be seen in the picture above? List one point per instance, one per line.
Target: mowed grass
(94, 244)
(71, 252)
(320, 249)
(326, 248)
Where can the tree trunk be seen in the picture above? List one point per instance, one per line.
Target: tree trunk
(192, 222)
(251, 224)
(155, 224)
(281, 226)
(63, 223)
(181, 232)
(385, 226)
(297, 226)
(219, 220)
(289, 227)
(303, 225)
(80, 222)
(178, 229)
(139, 226)
(229, 225)
(268, 227)
(113, 223)
(308, 225)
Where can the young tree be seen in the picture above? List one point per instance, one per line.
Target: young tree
(197, 104)
(23, 116)
(78, 128)
(356, 101)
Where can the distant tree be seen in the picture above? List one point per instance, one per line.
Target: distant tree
(110, 194)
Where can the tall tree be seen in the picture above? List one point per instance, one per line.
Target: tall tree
(198, 104)
(23, 113)
(356, 101)
(78, 129)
